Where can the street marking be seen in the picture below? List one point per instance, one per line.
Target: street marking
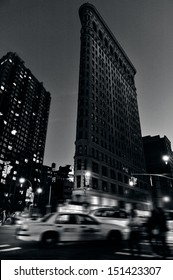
(10, 249)
(140, 255)
(122, 253)
(4, 245)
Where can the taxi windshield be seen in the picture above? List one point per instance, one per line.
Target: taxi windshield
(46, 217)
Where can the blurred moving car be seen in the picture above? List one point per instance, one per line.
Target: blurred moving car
(110, 216)
(169, 215)
(22, 217)
(61, 227)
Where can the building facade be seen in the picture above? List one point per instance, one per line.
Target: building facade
(155, 150)
(24, 111)
(108, 147)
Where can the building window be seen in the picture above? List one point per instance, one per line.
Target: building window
(106, 43)
(104, 186)
(113, 188)
(95, 183)
(104, 171)
(95, 167)
(120, 190)
(113, 175)
(120, 177)
(80, 149)
(79, 164)
(100, 35)
(94, 26)
(78, 181)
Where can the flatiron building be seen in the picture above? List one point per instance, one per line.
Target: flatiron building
(108, 146)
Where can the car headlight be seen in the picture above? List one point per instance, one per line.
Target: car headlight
(126, 230)
(24, 227)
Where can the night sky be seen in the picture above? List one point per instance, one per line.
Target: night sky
(46, 35)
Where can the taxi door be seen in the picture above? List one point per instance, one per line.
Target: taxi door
(67, 227)
(89, 228)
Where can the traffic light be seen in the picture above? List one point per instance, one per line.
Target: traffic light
(133, 181)
(64, 171)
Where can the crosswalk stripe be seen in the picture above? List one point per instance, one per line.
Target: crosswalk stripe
(127, 253)
(4, 245)
(10, 249)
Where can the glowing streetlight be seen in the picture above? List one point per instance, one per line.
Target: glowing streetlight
(165, 159)
(132, 181)
(39, 190)
(22, 180)
(87, 176)
(166, 199)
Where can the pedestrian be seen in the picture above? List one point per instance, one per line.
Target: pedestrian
(157, 229)
(4, 216)
(163, 229)
(135, 233)
(153, 231)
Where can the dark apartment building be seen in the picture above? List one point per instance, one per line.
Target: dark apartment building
(159, 160)
(24, 111)
(108, 147)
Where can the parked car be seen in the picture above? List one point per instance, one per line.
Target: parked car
(61, 227)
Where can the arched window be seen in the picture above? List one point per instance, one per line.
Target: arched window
(100, 35)
(116, 56)
(94, 26)
(111, 49)
(106, 43)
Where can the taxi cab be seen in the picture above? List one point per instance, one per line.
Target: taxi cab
(61, 227)
(111, 215)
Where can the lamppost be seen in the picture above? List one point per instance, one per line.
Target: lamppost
(23, 180)
(48, 206)
(87, 176)
(29, 191)
(86, 181)
(39, 191)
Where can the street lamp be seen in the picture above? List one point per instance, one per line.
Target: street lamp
(39, 191)
(29, 190)
(86, 180)
(165, 159)
(87, 176)
(166, 199)
(22, 180)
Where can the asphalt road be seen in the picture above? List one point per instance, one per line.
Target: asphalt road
(12, 249)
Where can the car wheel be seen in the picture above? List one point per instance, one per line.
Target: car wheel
(115, 240)
(49, 239)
